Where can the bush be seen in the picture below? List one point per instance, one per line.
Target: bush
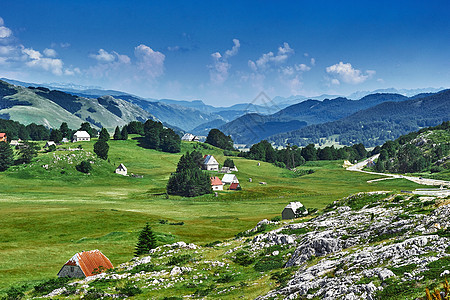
(84, 167)
(269, 263)
(179, 260)
(280, 164)
(276, 219)
(50, 285)
(14, 293)
(225, 278)
(129, 290)
(243, 258)
(144, 267)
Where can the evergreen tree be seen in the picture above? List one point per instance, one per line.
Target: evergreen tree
(87, 127)
(146, 241)
(56, 136)
(6, 156)
(65, 130)
(152, 138)
(228, 163)
(84, 167)
(135, 127)
(219, 139)
(117, 134)
(101, 148)
(170, 141)
(28, 152)
(124, 133)
(104, 135)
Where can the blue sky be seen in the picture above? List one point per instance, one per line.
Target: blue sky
(228, 52)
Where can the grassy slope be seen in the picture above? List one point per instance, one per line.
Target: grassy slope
(47, 216)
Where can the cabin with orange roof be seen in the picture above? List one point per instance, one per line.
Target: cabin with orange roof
(216, 184)
(3, 137)
(84, 264)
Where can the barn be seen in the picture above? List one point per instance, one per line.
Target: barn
(293, 210)
(81, 135)
(84, 264)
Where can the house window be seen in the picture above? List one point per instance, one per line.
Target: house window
(72, 269)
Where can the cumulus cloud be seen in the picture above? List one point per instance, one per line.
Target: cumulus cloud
(269, 59)
(346, 73)
(103, 56)
(302, 68)
(149, 61)
(313, 61)
(50, 52)
(34, 59)
(218, 71)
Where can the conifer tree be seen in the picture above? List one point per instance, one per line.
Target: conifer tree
(101, 148)
(104, 135)
(146, 241)
(124, 133)
(6, 156)
(117, 134)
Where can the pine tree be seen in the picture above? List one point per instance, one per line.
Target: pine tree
(56, 136)
(6, 156)
(104, 135)
(146, 241)
(65, 130)
(117, 134)
(28, 152)
(124, 133)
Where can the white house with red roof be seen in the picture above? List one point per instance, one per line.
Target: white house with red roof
(216, 184)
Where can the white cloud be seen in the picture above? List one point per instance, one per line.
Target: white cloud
(7, 50)
(5, 32)
(150, 61)
(34, 59)
(287, 70)
(50, 52)
(71, 72)
(103, 56)
(268, 59)
(302, 68)
(347, 74)
(218, 71)
(31, 53)
(335, 81)
(313, 61)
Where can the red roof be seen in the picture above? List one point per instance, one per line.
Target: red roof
(89, 261)
(234, 186)
(216, 181)
(2, 134)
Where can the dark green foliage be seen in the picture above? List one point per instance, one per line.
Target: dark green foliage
(276, 219)
(204, 292)
(14, 293)
(51, 148)
(403, 269)
(437, 267)
(149, 267)
(243, 258)
(295, 231)
(124, 133)
(135, 127)
(261, 228)
(225, 278)
(104, 135)
(160, 138)
(396, 289)
(358, 201)
(56, 136)
(117, 135)
(129, 289)
(219, 139)
(6, 156)
(179, 260)
(65, 130)
(146, 241)
(93, 294)
(15, 130)
(212, 244)
(27, 152)
(268, 263)
(282, 277)
(50, 285)
(228, 163)
(170, 141)
(189, 180)
(101, 148)
(84, 167)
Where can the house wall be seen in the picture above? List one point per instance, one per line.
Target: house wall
(121, 172)
(212, 167)
(288, 213)
(217, 187)
(71, 271)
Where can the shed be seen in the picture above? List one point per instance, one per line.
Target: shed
(49, 143)
(122, 170)
(190, 137)
(3, 137)
(229, 179)
(293, 210)
(65, 140)
(84, 264)
(16, 142)
(210, 163)
(81, 135)
(216, 184)
(235, 186)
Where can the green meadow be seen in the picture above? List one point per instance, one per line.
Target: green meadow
(49, 214)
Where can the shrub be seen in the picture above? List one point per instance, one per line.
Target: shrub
(212, 244)
(243, 258)
(144, 267)
(129, 289)
(84, 167)
(280, 164)
(276, 219)
(225, 278)
(269, 263)
(179, 260)
(50, 285)
(14, 293)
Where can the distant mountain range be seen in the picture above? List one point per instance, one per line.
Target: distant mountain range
(375, 125)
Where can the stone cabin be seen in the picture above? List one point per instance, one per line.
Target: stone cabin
(210, 163)
(293, 210)
(84, 264)
(122, 170)
(81, 135)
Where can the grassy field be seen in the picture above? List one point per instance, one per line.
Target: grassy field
(49, 214)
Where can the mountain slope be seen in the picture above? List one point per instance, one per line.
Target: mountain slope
(252, 128)
(377, 124)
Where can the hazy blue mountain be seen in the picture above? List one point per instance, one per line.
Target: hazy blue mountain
(375, 125)
(204, 128)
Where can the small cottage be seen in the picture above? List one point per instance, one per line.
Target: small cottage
(210, 163)
(122, 170)
(293, 210)
(216, 184)
(49, 143)
(84, 264)
(81, 135)
(16, 142)
(3, 137)
(235, 186)
(65, 140)
(190, 137)
(225, 170)
(229, 179)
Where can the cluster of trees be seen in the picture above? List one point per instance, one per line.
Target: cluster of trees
(219, 139)
(402, 156)
(121, 134)
(189, 180)
(25, 154)
(14, 130)
(292, 157)
(160, 138)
